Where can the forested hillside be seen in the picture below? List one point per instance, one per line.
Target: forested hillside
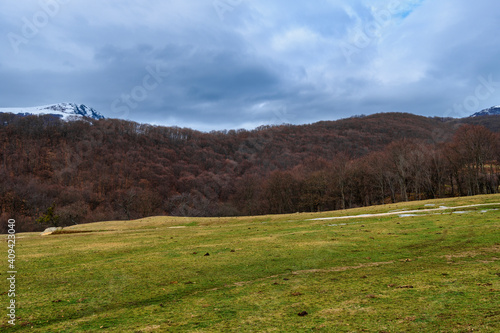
(94, 170)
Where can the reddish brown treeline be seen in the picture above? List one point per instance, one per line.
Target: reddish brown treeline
(113, 169)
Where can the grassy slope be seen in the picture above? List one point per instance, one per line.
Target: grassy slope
(424, 273)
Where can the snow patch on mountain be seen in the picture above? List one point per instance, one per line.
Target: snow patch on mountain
(65, 111)
(493, 111)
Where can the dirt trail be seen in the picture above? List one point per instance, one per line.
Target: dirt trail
(401, 212)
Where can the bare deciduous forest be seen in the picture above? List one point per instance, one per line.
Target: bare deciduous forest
(95, 170)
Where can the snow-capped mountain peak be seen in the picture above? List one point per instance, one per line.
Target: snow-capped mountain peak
(493, 111)
(65, 111)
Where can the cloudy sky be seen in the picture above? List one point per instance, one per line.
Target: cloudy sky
(221, 64)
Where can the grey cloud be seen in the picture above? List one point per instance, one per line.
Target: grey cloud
(259, 63)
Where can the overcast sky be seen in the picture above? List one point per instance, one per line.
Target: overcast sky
(226, 64)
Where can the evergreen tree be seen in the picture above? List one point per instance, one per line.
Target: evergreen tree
(49, 218)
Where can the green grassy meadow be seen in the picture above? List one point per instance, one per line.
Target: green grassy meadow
(435, 271)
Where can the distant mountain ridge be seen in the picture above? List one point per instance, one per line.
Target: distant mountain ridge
(114, 169)
(64, 111)
(493, 111)
(73, 111)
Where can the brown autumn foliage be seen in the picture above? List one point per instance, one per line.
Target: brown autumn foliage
(114, 169)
